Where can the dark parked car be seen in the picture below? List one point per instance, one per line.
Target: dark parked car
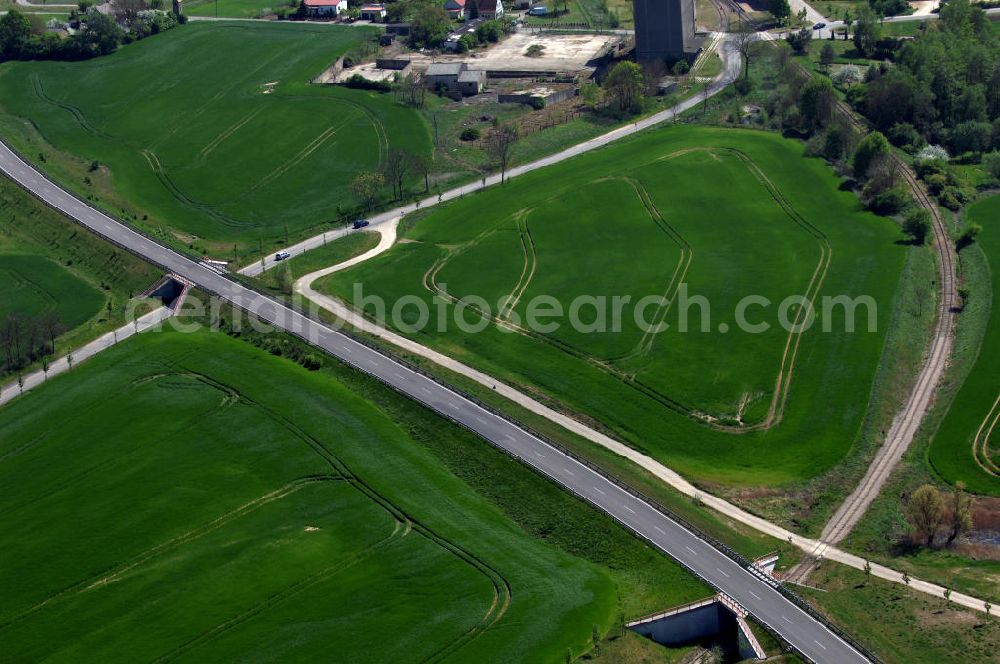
(360, 223)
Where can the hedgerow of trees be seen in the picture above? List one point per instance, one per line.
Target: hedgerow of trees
(97, 34)
(944, 88)
(27, 339)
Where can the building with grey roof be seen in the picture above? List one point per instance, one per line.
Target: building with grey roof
(664, 29)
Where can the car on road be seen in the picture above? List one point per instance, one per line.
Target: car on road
(819, 26)
(538, 11)
(360, 223)
(281, 255)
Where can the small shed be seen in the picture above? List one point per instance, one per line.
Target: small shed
(401, 65)
(471, 82)
(456, 78)
(443, 73)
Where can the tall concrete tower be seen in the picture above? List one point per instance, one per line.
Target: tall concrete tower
(664, 29)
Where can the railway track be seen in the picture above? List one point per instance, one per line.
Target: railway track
(908, 421)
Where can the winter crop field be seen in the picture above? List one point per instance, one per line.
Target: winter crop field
(211, 134)
(719, 215)
(192, 497)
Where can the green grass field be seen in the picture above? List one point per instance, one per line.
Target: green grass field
(50, 265)
(210, 134)
(966, 446)
(236, 8)
(246, 506)
(902, 626)
(710, 208)
(35, 286)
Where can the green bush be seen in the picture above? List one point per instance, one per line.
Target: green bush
(904, 135)
(968, 236)
(936, 183)
(891, 201)
(953, 198)
(917, 224)
(991, 163)
(871, 147)
(359, 82)
(470, 134)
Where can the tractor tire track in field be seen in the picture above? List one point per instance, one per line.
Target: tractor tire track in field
(218, 96)
(68, 482)
(281, 596)
(430, 283)
(235, 127)
(677, 278)
(981, 441)
(81, 119)
(278, 494)
(183, 199)
(301, 156)
(501, 588)
(502, 592)
(116, 571)
(528, 269)
(783, 380)
(381, 134)
(212, 210)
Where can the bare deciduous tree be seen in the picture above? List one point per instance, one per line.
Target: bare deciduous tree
(422, 167)
(53, 326)
(500, 146)
(744, 39)
(395, 169)
(411, 91)
(653, 72)
(961, 512)
(127, 11)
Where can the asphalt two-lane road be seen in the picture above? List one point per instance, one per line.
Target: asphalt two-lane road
(810, 637)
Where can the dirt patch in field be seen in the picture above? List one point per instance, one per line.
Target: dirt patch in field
(559, 52)
(932, 618)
